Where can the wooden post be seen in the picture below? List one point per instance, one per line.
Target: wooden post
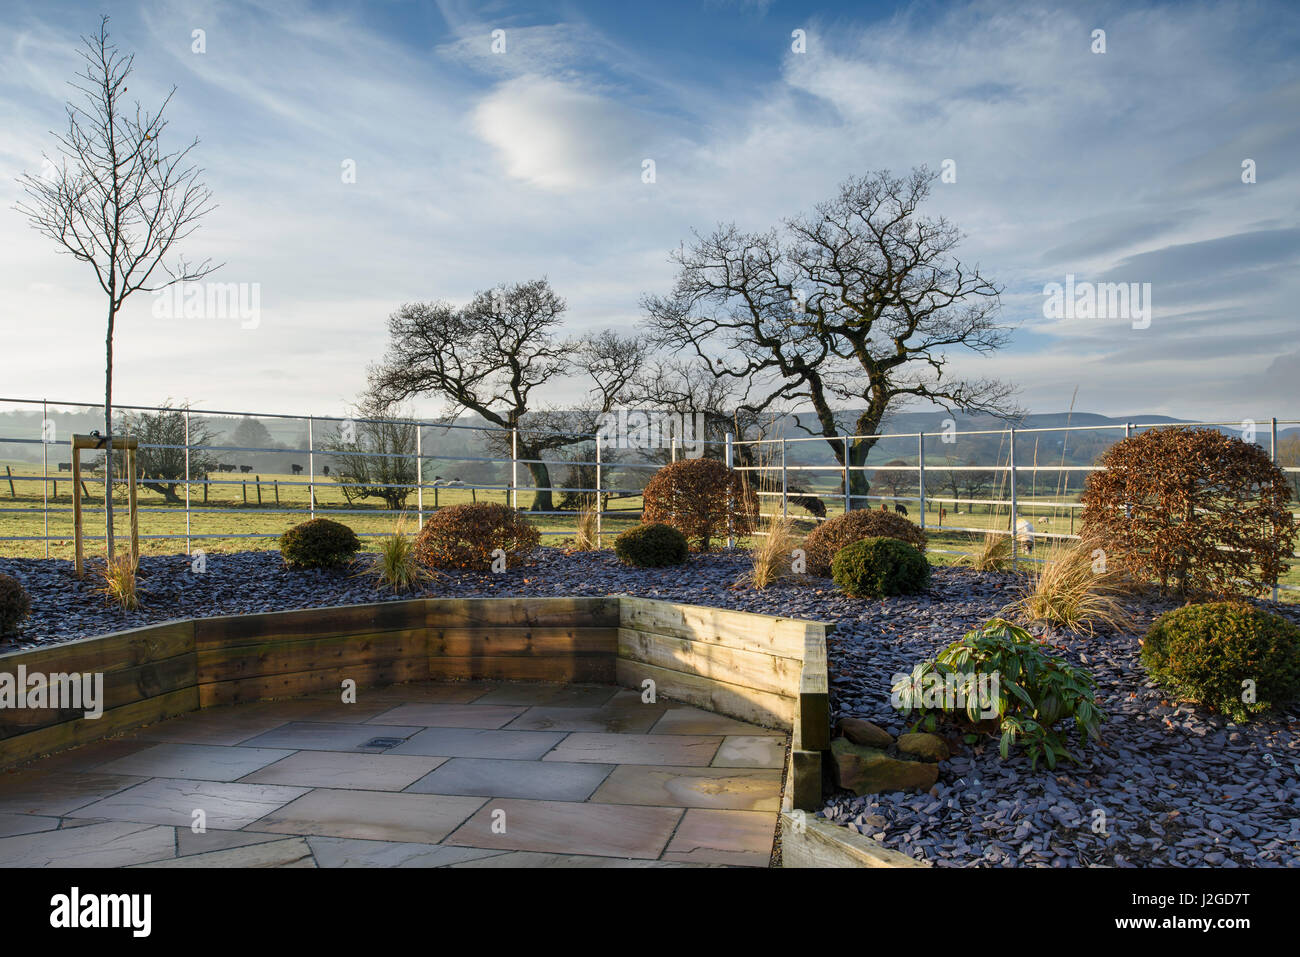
(80, 442)
(207, 477)
(11, 482)
(258, 485)
(277, 491)
(244, 485)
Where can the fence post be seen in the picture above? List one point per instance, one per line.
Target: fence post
(673, 442)
(45, 472)
(514, 469)
(731, 501)
(785, 484)
(1272, 457)
(920, 473)
(188, 549)
(1011, 461)
(848, 496)
(600, 500)
(419, 475)
(311, 464)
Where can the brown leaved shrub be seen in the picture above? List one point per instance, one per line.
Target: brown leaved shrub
(696, 496)
(464, 536)
(829, 537)
(1194, 510)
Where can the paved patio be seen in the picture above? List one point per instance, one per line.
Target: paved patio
(466, 774)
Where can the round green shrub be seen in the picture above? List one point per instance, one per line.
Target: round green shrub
(651, 546)
(319, 543)
(877, 567)
(14, 603)
(1208, 653)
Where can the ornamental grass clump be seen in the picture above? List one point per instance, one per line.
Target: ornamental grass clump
(394, 565)
(1229, 656)
(999, 672)
(772, 556)
(1073, 587)
(993, 553)
(121, 581)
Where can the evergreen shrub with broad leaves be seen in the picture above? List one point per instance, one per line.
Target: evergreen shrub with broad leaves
(1194, 510)
(1034, 691)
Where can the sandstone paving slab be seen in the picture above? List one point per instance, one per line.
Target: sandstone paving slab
(11, 824)
(744, 789)
(689, 720)
(372, 815)
(441, 715)
(551, 695)
(751, 751)
(203, 762)
(349, 852)
(173, 801)
(561, 827)
(676, 749)
(35, 791)
(478, 743)
(326, 736)
(291, 852)
(88, 757)
(104, 844)
(736, 838)
(622, 718)
(347, 770)
(513, 859)
(215, 839)
(488, 777)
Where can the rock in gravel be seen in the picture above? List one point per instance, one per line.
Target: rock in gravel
(863, 732)
(927, 747)
(864, 770)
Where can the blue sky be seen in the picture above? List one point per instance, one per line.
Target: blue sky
(475, 168)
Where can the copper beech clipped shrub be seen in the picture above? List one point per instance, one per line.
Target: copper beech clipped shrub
(1194, 510)
(465, 536)
(829, 537)
(695, 496)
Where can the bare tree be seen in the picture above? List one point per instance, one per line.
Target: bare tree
(858, 301)
(116, 200)
(374, 454)
(487, 357)
(161, 456)
(896, 477)
(974, 482)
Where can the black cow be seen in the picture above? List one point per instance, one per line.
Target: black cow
(297, 469)
(326, 470)
(65, 466)
(223, 467)
(245, 468)
(900, 509)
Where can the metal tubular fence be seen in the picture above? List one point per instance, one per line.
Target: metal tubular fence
(925, 482)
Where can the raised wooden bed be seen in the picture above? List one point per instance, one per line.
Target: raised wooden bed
(758, 668)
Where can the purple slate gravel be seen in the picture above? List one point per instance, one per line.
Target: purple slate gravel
(1177, 785)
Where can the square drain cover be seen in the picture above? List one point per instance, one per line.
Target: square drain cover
(383, 742)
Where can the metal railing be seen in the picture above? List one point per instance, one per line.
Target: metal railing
(315, 474)
(779, 467)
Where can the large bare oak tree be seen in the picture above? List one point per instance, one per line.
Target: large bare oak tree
(854, 305)
(116, 200)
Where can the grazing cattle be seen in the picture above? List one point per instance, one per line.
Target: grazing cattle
(901, 510)
(326, 470)
(65, 466)
(245, 469)
(297, 469)
(223, 467)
